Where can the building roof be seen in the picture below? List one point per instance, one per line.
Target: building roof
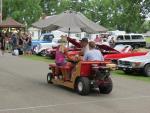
(10, 23)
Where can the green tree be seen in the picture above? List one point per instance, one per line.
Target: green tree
(23, 11)
(119, 14)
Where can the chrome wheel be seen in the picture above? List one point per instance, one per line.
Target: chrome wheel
(80, 86)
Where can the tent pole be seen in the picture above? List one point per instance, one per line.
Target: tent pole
(68, 35)
(69, 32)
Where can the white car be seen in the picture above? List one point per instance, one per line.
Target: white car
(135, 64)
(41, 47)
(135, 40)
(123, 48)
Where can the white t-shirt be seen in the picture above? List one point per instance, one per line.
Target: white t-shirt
(85, 49)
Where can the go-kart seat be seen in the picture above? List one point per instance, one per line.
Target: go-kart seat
(66, 71)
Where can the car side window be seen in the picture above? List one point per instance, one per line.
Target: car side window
(120, 37)
(127, 37)
(48, 38)
(137, 37)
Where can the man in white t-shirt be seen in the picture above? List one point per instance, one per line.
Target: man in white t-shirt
(93, 54)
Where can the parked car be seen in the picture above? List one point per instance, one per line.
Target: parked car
(123, 48)
(44, 38)
(74, 45)
(41, 48)
(135, 64)
(135, 40)
(124, 52)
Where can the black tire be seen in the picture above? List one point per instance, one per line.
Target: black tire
(49, 78)
(106, 88)
(147, 70)
(43, 53)
(128, 71)
(82, 86)
(136, 46)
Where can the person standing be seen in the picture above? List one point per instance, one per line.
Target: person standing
(29, 44)
(98, 40)
(2, 43)
(14, 41)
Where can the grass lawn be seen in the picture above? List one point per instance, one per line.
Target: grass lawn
(147, 40)
(131, 76)
(39, 58)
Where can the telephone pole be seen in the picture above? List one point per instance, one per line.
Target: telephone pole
(1, 7)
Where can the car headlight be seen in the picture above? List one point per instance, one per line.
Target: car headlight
(136, 64)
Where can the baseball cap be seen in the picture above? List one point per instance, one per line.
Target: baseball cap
(84, 40)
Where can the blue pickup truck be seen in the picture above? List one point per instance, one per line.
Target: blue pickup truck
(44, 38)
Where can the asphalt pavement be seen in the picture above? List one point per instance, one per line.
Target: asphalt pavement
(23, 89)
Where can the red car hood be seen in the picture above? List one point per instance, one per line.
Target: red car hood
(123, 55)
(104, 48)
(107, 49)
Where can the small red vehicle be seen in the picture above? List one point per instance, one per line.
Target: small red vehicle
(83, 76)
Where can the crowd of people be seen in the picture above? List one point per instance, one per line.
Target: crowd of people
(17, 43)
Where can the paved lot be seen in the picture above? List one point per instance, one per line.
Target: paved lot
(23, 89)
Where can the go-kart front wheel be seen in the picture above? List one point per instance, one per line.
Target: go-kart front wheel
(106, 88)
(82, 86)
(49, 78)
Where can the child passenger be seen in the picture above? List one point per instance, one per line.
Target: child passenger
(61, 52)
(60, 58)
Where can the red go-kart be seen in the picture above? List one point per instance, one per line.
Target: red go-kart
(83, 76)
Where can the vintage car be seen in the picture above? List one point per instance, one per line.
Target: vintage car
(40, 49)
(44, 38)
(73, 44)
(124, 51)
(136, 64)
(114, 57)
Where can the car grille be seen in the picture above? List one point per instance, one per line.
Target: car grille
(125, 63)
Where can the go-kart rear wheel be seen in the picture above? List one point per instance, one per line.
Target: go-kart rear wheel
(82, 86)
(49, 78)
(106, 88)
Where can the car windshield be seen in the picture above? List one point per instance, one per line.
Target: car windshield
(148, 54)
(47, 38)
